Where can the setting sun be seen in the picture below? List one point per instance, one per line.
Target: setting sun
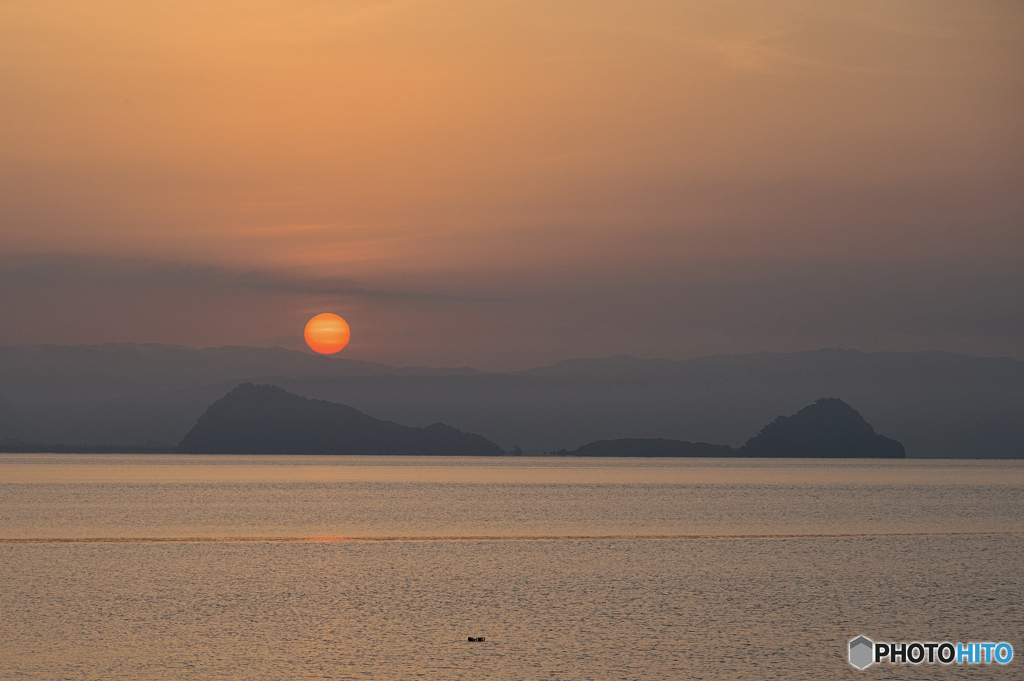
(327, 333)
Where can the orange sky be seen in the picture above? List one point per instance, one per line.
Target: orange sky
(501, 184)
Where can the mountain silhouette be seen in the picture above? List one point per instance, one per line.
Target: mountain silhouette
(265, 419)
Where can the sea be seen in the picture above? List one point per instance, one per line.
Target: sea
(293, 567)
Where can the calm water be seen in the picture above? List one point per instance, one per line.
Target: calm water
(166, 567)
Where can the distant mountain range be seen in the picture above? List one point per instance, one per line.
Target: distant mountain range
(936, 404)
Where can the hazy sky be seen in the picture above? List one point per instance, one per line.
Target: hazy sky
(506, 184)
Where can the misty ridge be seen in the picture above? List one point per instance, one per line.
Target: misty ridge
(938, 405)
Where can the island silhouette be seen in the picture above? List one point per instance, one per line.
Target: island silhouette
(829, 428)
(829, 425)
(266, 419)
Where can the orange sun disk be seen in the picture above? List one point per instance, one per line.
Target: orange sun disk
(327, 333)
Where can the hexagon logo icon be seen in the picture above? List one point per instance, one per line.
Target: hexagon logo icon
(862, 651)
